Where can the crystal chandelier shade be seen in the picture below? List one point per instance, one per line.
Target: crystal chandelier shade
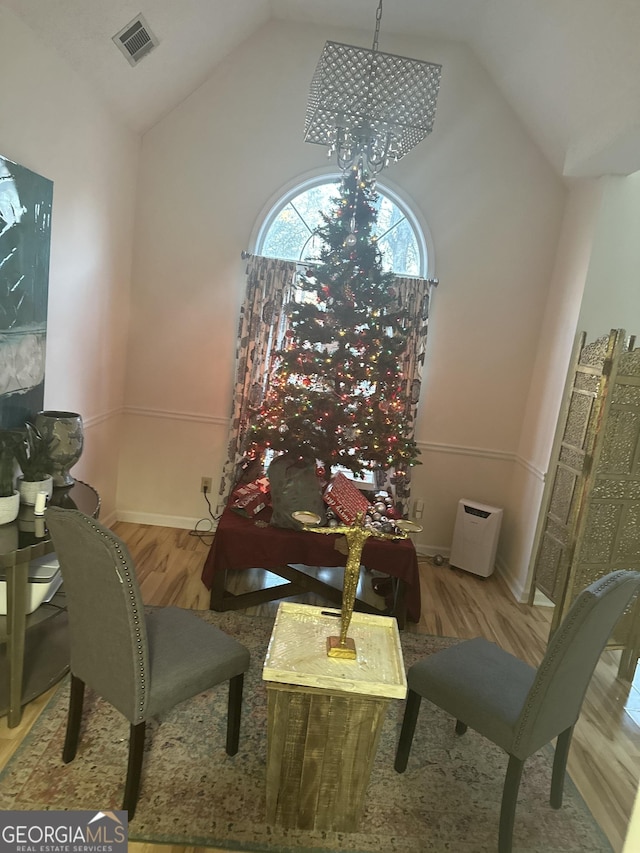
(369, 107)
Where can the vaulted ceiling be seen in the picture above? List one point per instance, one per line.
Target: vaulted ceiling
(569, 68)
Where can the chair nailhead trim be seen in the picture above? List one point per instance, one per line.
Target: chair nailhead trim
(566, 626)
(136, 618)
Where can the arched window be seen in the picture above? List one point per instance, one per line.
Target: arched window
(287, 229)
(284, 233)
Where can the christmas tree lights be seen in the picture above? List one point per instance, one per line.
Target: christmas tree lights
(335, 393)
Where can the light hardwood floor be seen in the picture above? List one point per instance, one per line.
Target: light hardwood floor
(603, 761)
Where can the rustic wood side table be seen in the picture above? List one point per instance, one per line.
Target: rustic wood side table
(325, 715)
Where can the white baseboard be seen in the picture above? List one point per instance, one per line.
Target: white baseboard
(156, 520)
(109, 520)
(518, 591)
(515, 589)
(541, 600)
(432, 550)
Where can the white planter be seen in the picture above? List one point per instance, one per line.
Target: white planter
(29, 489)
(9, 508)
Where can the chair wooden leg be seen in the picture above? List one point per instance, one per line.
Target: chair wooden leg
(460, 727)
(509, 800)
(74, 718)
(234, 712)
(134, 768)
(563, 743)
(408, 728)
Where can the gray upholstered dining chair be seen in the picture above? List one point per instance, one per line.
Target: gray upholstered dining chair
(141, 663)
(514, 705)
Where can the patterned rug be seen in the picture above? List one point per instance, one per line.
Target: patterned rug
(194, 794)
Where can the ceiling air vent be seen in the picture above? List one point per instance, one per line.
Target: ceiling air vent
(135, 40)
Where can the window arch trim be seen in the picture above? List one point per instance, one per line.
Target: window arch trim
(281, 198)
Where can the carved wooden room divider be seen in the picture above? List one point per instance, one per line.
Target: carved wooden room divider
(589, 523)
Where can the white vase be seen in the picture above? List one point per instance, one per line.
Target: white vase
(29, 489)
(9, 508)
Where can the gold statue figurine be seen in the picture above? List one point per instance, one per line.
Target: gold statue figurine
(356, 535)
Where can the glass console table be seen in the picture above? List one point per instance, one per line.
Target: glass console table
(34, 648)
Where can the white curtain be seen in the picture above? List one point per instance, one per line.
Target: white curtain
(413, 296)
(269, 282)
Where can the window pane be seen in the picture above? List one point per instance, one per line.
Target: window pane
(399, 249)
(388, 215)
(290, 234)
(311, 203)
(285, 236)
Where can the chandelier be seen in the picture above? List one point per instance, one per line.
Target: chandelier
(370, 108)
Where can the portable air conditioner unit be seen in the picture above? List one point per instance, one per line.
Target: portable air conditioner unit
(475, 538)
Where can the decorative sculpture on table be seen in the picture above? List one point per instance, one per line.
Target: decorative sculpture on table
(356, 535)
(64, 436)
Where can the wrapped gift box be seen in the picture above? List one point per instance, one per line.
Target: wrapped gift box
(345, 499)
(250, 498)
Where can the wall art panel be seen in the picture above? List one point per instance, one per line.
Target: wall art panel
(25, 240)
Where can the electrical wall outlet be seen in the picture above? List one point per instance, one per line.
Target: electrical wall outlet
(205, 485)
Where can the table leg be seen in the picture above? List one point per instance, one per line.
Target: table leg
(17, 581)
(400, 602)
(217, 592)
(628, 663)
(394, 591)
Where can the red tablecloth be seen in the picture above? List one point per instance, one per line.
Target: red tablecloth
(239, 543)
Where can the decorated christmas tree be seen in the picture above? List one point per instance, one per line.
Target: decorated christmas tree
(336, 393)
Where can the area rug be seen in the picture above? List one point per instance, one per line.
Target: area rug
(193, 794)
